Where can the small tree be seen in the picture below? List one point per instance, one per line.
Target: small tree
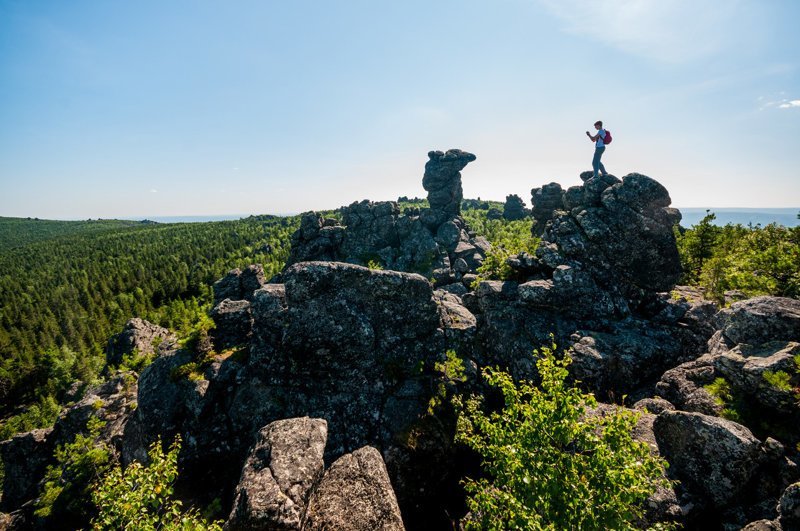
(551, 463)
(697, 245)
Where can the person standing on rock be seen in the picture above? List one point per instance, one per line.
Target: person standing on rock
(599, 147)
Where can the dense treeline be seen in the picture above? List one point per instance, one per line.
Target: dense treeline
(16, 232)
(754, 260)
(64, 295)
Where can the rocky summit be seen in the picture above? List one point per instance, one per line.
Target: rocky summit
(316, 401)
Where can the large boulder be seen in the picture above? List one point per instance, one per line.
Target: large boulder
(238, 284)
(355, 494)
(713, 457)
(544, 202)
(759, 320)
(283, 465)
(352, 347)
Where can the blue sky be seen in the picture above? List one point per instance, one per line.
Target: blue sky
(116, 109)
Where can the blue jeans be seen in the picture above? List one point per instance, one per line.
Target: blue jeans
(596, 164)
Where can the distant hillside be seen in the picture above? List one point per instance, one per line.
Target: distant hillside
(743, 216)
(16, 232)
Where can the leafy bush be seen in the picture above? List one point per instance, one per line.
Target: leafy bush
(141, 497)
(551, 463)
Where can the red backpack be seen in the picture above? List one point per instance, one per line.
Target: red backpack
(607, 140)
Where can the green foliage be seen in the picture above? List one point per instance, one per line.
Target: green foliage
(67, 483)
(375, 264)
(508, 239)
(142, 497)
(720, 389)
(452, 367)
(551, 464)
(696, 246)
(756, 260)
(778, 379)
(135, 361)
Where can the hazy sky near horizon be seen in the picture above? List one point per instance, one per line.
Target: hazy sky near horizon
(119, 109)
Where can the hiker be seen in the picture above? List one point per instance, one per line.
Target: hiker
(599, 147)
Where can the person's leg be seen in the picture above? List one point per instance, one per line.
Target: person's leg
(596, 160)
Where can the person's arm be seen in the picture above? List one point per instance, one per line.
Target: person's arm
(592, 138)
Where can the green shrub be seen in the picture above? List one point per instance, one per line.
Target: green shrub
(508, 239)
(779, 379)
(141, 497)
(550, 464)
(720, 389)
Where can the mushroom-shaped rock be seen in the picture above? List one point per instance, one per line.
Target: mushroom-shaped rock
(442, 179)
(282, 467)
(355, 494)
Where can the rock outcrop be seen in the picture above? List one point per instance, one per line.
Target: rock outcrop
(599, 283)
(514, 208)
(26, 456)
(435, 241)
(544, 202)
(333, 362)
(138, 336)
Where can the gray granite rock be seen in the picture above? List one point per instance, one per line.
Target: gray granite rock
(282, 467)
(355, 495)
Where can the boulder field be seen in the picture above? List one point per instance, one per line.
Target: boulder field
(316, 403)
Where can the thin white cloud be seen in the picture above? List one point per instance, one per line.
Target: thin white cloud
(153, 191)
(780, 104)
(671, 31)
